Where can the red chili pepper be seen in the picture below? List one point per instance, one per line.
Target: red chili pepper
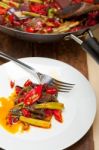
(28, 83)
(11, 18)
(38, 89)
(31, 100)
(18, 89)
(25, 112)
(56, 23)
(49, 29)
(33, 95)
(27, 102)
(58, 115)
(16, 23)
(30, 29)
(12, 83)
(21, 99)
(30, 93)
(10, 119)
(13, 21)
(15, 119)
(2, 11)
(48, 112)
(12, 4)
(76, 28)
(38, 8)
(51, 90)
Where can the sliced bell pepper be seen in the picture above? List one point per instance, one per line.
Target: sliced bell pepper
(51, 90)
(2, 11)
(31, 100)
(33, 95)
(49, 114)
(28, 83)
(11, 3)
(3, 5)
(38, 8)
(36, 1)
(36, 122)
(12, 83)
(58, 115)
(31, 14)
(50, 105)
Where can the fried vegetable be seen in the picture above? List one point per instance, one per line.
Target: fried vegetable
(31, 14)
(35, 104)
(66, 26)
(3, 5)
(51, 12)
(35, 122)
(12, 3)
(50, 105)
(58, 115)
(36, 1)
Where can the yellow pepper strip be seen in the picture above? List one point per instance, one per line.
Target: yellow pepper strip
(36, 122)
(50, 105)
(31, 14)
(36, 1)
(66, 26)
(15, 4)
(3, 5)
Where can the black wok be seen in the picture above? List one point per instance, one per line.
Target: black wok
(90, 45)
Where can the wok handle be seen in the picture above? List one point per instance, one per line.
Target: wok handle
(90, 45)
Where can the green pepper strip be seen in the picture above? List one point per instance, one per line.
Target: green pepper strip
(3, 5)
(11, 2)
(65, 26)
(36, 122)
(51, 12)
(36, 1)
(31, 14)
(50, 105)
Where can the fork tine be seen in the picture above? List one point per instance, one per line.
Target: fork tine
(67, 89)
(60, 90)
(63, 83)
(63, 87)
(63, 91)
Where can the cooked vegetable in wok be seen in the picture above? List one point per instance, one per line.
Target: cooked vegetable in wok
(39, 16)
(34, 105)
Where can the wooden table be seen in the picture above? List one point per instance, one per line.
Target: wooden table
(66, 51)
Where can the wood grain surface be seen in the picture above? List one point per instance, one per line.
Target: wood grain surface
(66, 51)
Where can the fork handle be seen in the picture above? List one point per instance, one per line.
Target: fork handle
(21, 64)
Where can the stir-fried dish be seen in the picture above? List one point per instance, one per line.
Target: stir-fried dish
(40, 16)
(31, 104)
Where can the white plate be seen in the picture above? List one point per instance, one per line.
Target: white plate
(79, 113)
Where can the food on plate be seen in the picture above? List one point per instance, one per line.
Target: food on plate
(31, 104)
(39, 16)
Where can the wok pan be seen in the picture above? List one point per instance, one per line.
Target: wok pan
(90, 45)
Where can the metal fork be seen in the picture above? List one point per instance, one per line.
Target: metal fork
(61, 86)
(42, 78)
